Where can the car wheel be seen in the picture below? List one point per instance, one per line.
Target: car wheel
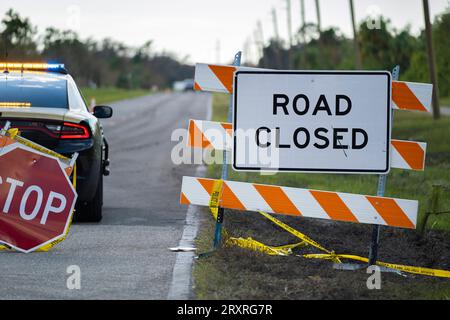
(92, 211)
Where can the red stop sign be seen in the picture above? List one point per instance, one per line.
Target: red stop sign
(36, 199)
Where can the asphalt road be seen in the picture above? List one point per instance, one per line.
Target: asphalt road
(126, 256)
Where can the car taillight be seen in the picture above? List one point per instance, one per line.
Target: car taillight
(69, 130)
(74, 131)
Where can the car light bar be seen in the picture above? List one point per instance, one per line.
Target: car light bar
(15, 104)
(31, 66)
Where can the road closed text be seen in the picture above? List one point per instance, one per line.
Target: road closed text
(312, 121)
(320, 137)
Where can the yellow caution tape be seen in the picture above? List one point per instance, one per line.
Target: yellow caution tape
(74, 176)
(36, 147)
(249, 243)
(297, 234)
(50, 245)
(416, 270)
(399, 267)
(252, 244)
(216, 195)
(13, 133)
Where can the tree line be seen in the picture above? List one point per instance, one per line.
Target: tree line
(93, 63)
(381, 49)
(111, 63)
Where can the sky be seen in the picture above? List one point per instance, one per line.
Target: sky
(207, 31)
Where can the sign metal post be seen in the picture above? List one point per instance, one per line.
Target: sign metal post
(220, 213)
(373, 253)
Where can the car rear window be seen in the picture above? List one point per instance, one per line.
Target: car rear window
(40, 91)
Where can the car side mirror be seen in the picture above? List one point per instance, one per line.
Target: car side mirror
(103, 112)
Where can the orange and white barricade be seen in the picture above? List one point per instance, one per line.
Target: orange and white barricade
(408, 155)
(303, 202)
(405, 95)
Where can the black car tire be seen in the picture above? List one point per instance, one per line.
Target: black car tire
(94, 208)
(92, 211)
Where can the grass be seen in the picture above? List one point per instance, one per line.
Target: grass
(107, 95)
(232, 273)
(445, 102)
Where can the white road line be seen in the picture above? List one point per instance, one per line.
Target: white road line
(180, 288)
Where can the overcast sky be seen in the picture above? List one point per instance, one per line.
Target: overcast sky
(194, 28)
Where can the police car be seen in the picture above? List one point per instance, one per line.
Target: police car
(50, 110)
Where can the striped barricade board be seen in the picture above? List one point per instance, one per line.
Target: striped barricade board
(405, 95)
(408, 155)
(303, 202)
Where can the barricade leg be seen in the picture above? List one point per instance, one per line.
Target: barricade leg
(221, 212)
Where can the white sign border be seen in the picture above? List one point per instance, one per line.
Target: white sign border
(309, 170)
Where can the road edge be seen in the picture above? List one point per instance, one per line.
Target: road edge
(180, 287)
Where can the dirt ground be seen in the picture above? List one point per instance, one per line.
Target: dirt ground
(236, 273)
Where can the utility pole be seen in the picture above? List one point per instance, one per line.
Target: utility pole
(260, 33)
(303, 20)
(259, 47)
(289, 22)
(319, 22)
(247, 51)
(431, 60)
(277, 46)
(319, 30)
(358, 59)
(252, 55)
(275, 24)
(289, 26)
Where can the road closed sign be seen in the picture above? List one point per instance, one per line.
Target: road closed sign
(312, 121)
(36, 199)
